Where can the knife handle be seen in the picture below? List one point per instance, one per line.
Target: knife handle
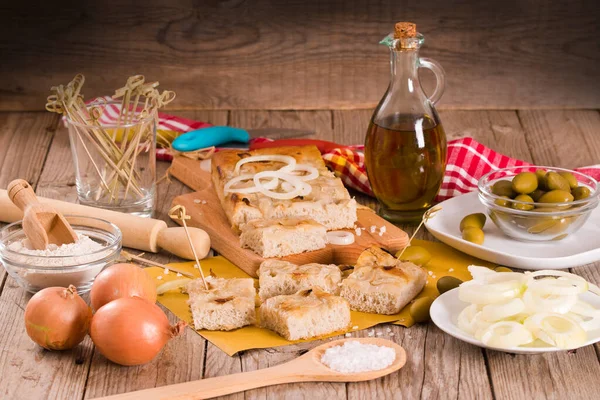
(323, 145)
(210, 136)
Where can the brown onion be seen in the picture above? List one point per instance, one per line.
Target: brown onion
(56, 318)
(132, 331)
(122, 280)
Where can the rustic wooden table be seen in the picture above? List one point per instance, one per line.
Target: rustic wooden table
(35, 147)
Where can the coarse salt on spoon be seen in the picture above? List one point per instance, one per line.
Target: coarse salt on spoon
(41, 222)
(306, 368)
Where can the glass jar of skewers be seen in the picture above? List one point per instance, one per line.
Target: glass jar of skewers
(114, 150)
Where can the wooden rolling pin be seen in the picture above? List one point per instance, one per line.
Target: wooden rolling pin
(144, 234)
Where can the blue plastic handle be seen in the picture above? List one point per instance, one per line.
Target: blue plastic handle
(211, 136)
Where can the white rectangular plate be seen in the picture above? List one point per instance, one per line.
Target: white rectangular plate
(582, 247)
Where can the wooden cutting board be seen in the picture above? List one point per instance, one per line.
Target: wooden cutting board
(206, 213)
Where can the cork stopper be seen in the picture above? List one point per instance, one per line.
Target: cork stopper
(405, 30)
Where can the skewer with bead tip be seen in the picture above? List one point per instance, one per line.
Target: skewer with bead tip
(178, 212)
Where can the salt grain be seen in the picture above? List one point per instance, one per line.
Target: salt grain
(451, 269)
(371, 333)
(167, 271)
(355, 327)
(354, 356)
(430, 273)
(196, 201)
(358, 232)
(159, 277)
(372, 228)
(382, 230)
(348, 334)
(179, 274)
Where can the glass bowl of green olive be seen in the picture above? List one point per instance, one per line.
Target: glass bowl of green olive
(538, 203)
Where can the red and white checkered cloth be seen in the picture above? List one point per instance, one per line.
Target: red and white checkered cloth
(468, 160)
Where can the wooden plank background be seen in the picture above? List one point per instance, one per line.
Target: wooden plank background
(302, 54)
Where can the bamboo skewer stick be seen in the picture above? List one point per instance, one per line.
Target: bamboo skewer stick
(118, 176)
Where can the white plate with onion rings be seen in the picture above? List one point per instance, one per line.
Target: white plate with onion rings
(446, 313)
(580, 248)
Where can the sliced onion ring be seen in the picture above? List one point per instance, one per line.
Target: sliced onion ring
(496, 312)
(290, 161)
(272, 184)
(556, 330)
(313, 173)
(469, 319)
(171, 285)
(341, 238)
(564, 284)
(297, 183)
(478, 293)
(506, 334)
(588, 315)
(536, 302)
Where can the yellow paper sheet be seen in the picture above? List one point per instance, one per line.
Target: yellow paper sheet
(445, 261)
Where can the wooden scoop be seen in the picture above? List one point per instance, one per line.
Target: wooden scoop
(306, 368)
(42, 223)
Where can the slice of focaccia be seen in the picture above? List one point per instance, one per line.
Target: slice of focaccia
(227, 304)
(305, 314)
(382, 284)
(282, 237)
(328, 203)
(277, 277)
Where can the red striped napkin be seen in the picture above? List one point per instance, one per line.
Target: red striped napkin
(468, 160)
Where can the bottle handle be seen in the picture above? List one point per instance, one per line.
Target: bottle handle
(440, 77)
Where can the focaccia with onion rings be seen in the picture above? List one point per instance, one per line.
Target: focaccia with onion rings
(382, 284)
(328, 202)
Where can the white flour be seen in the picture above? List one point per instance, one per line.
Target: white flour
(70, 264)
(84, 245)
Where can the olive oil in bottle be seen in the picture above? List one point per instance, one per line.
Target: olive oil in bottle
(405, 147)
(408, 153)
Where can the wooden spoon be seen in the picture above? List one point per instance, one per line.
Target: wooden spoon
(306, 368)
(42, 223)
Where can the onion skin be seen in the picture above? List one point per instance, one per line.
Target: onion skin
(132, 331)
(122, 280)
(57, 318)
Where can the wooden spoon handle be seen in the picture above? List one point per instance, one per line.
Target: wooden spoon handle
(21, 194)
(219, 386)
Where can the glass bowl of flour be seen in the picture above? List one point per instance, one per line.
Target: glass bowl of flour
(98, 246)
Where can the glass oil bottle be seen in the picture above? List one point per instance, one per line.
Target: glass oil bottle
(405, 147)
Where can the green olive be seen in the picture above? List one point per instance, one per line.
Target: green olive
(446, 283)
(503, 269)
(556, 196)
(415, 254)
(473, 235)
(551, 226)
(524, 207)
(570, 178)
(581, 192)
(556, 182)
(541, 177)
(503, 188)
(473, 220)
(525, 182)
(503, 202)
(536, 194)
(419, 309)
